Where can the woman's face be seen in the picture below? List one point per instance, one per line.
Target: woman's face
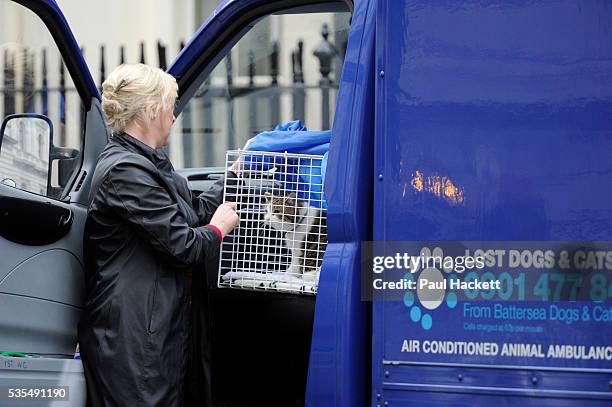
(160, 127)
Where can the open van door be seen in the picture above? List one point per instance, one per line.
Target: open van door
(49, 143)
(238, 77)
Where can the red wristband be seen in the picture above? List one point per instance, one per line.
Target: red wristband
(216, 230)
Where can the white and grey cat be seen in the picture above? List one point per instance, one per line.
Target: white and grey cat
(304, 229)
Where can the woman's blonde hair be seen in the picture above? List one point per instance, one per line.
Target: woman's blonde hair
(136, 90)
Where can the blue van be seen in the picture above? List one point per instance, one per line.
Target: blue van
(455, 121)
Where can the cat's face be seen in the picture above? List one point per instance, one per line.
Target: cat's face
(281, 211)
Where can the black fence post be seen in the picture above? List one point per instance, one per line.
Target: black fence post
(325, 52)
(142, 53)
(28, 83)
(102, 67)
(274, 63)
(24, 79)
(275, 95)
(44, 91)
(253, 124)
(161, 54)
(9, 82)
(251, 68)
(299, 95)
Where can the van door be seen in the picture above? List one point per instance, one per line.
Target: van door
(52, 133)
(250, 67)
(493, 136)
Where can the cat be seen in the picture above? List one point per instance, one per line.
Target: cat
(304, 230)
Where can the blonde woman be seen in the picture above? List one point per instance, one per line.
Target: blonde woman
(144, 234)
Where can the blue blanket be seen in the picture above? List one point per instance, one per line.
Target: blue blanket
(305, 176)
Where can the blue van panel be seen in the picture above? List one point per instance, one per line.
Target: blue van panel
(512, 102)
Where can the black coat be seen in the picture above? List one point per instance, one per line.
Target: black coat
(143, 236)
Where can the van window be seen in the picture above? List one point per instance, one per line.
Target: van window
(286, 67)
(34, 80)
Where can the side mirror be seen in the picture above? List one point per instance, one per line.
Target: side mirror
(27, 154)
(25, 144)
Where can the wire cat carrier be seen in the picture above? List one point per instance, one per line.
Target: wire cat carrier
(282, 235)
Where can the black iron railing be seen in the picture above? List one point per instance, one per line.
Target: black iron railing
(37, 89)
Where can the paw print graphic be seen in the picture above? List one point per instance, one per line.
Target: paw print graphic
(428, 299)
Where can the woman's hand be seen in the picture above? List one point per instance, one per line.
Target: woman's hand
(225, 218)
